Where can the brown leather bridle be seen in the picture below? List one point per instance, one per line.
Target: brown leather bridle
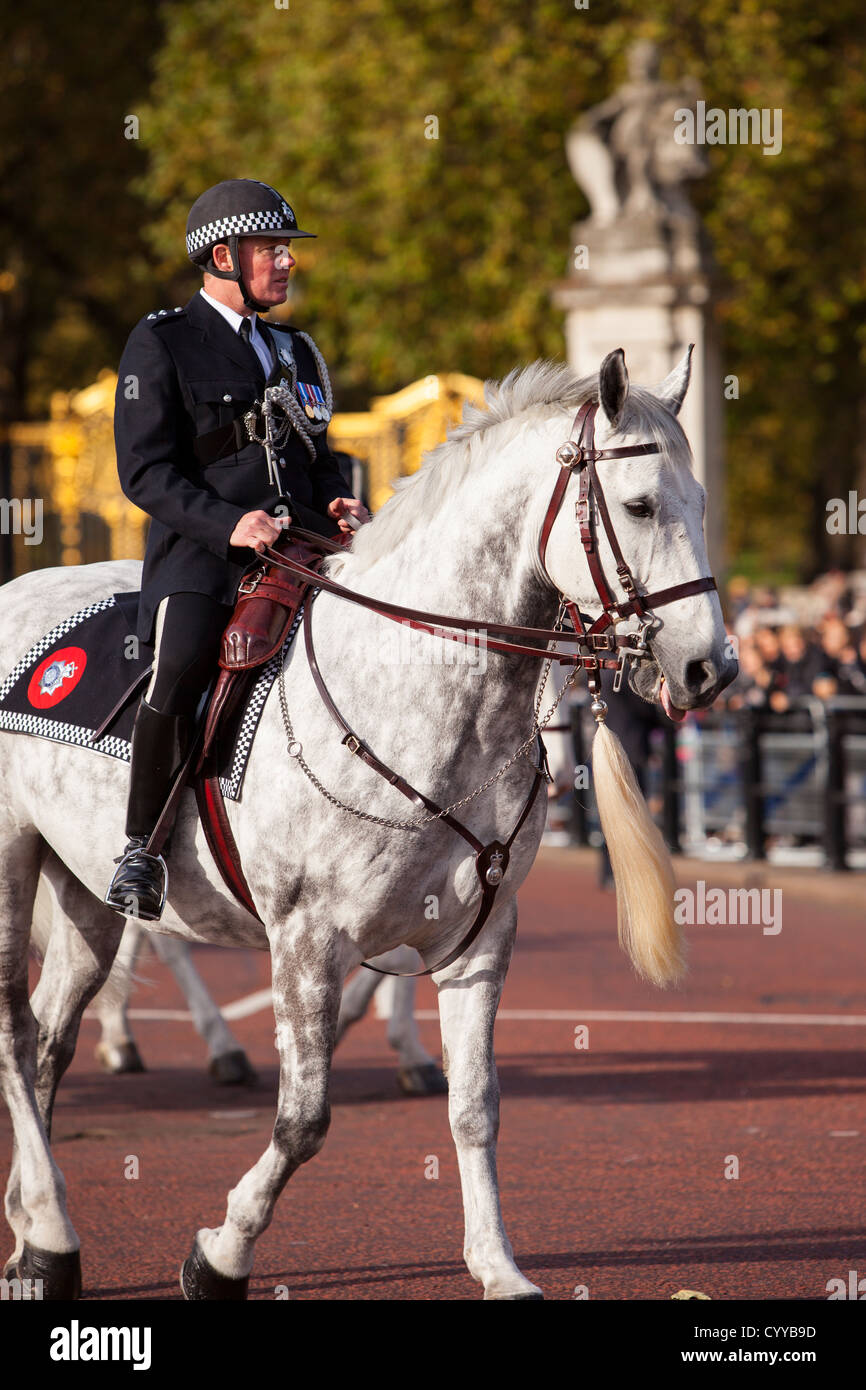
(573, 457)
(580, 456)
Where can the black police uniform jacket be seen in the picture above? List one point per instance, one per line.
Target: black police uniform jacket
(183, 374)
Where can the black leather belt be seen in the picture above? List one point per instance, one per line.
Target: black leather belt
(224, 440)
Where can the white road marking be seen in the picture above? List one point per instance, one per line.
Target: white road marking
(262, 999)
(666, 1016)
(240, 1008)
(251, 1004)
(164, 1015)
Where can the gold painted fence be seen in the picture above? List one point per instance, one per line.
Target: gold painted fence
(68, 464)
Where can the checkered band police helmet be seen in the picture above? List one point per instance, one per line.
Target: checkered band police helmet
(232, 209)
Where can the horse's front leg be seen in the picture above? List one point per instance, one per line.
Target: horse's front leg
(307, 980)
(469, 994)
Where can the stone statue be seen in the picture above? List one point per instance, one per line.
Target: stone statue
(641, 273)
(623, 154)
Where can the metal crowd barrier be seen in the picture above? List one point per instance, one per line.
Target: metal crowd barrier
(752, 778)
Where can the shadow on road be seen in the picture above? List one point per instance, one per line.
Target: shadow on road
(584, 1078)
(750, 1248)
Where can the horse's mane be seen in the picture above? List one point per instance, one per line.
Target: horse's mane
(525, 393)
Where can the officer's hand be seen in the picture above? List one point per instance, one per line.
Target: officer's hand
(343, 507)
(257, 529)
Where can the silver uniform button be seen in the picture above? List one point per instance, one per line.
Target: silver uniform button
(226, 397)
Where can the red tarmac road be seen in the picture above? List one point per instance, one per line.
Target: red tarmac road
(612, 1158)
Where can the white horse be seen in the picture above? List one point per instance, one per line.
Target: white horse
(334, 888)
(418, 1074)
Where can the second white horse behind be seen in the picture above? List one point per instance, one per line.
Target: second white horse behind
(418, 1074)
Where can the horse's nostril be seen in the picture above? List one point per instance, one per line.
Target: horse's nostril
(700, 675)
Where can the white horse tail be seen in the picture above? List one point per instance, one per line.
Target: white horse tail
(641, 865)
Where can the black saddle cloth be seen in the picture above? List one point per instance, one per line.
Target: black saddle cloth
(71, 680)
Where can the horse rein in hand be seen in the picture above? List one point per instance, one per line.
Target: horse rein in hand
(491, 860)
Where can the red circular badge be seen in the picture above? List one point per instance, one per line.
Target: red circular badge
(56, 677)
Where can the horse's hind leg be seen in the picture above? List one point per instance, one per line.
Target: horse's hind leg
(82, 936)
(468, 999)
(81, 948)
(419, 1074)
(229, 1064)
(46, 1243)
(356, 997)
(306, 1004)
(117, 1050)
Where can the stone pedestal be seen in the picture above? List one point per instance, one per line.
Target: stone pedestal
(644, 284)
(641, 269)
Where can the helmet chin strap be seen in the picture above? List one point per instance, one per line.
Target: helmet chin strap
(235, 275)
(249, 301)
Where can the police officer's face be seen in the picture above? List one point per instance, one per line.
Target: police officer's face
(266, 263)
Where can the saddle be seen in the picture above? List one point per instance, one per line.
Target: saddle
(267, 604)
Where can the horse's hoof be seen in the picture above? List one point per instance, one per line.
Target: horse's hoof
(119, 1058)
(53, 1277)
(232, 1069)
(426, 1080)
(199, 1281)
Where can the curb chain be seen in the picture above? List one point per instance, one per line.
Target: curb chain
(423, 821)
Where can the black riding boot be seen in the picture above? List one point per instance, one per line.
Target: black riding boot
(158, 747)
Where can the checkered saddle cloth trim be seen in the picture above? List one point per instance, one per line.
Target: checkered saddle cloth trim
(96, 629)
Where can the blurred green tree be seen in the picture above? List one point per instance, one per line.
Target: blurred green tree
(70, 244)
(423, 141)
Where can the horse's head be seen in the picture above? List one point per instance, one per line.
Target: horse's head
(656, 508)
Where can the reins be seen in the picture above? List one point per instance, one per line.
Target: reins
(575, 456)
(433, 622)
(572, 457)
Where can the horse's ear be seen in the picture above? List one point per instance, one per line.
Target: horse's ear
(671, 392)
(613, 385)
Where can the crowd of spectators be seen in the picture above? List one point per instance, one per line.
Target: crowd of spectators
(794, 645)
(797, 644)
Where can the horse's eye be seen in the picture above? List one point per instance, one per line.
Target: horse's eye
(639, 508)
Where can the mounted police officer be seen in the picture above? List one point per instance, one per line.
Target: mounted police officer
(188, 457)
